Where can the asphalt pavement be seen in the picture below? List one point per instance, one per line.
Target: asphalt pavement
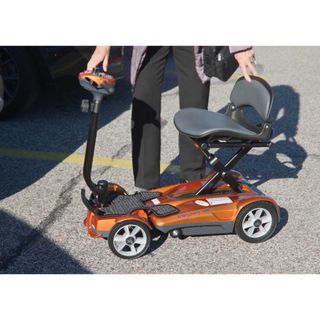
(41, 155)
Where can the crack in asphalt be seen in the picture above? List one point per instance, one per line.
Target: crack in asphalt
(64, 200)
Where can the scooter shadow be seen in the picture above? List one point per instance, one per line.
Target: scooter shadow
(157, 240)
(284, 217)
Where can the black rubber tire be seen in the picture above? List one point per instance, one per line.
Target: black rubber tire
(129, 223)
(25, 86)
(268, 210)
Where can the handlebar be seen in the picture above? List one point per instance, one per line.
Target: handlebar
(98, 83)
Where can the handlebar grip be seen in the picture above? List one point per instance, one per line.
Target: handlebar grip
(109, 88)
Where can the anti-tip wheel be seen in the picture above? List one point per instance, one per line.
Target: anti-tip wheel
(129, 239)
(256, 222)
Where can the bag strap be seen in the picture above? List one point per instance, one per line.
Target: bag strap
(212, 50)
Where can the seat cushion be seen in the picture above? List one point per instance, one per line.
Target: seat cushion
(199, 123)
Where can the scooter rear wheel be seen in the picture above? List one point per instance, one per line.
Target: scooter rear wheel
(129, 239)
(256, 222)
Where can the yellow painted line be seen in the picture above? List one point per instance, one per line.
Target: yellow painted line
(76, 158)
(79, 159)
(237, 76)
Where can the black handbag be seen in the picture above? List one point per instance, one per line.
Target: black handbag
(219, 62)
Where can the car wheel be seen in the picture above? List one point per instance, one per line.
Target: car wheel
(21, 80)
(129, 239)
(256, 222)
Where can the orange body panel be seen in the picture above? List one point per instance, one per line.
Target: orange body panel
(100, 226)
(113, 187)
(194, 210)
(139, 215)
(97, 79)
(95, 224)
(198, 209)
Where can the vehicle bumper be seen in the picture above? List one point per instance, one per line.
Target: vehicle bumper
(98, 227)
(92, 224)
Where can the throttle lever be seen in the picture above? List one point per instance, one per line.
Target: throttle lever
(109, 88)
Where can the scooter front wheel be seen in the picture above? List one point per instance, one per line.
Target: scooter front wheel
(129, 239)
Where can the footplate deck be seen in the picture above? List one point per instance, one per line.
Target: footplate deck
(126, 204)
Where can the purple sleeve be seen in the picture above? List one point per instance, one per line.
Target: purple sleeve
(234, 49)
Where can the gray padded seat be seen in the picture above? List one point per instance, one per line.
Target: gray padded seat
(199, 123)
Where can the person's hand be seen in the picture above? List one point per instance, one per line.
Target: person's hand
(101, 54)
(246, 60)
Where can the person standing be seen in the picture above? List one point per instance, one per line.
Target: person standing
(146, 67)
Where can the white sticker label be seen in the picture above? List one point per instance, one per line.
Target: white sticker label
(155, 201)
(202, 203)
(222, 200)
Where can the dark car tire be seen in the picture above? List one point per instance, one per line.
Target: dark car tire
(21, 80)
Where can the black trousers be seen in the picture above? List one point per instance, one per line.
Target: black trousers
(146, 108)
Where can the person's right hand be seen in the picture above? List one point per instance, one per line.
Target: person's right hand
(101, 54)
(246, 60)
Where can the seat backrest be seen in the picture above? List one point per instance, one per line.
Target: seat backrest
(257, 94)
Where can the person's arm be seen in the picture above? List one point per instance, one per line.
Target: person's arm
(101, 54)
(234, 49)
(245, 58)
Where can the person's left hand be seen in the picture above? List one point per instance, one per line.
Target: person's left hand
(246, 60)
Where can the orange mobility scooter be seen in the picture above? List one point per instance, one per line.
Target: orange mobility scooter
(222, 203)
